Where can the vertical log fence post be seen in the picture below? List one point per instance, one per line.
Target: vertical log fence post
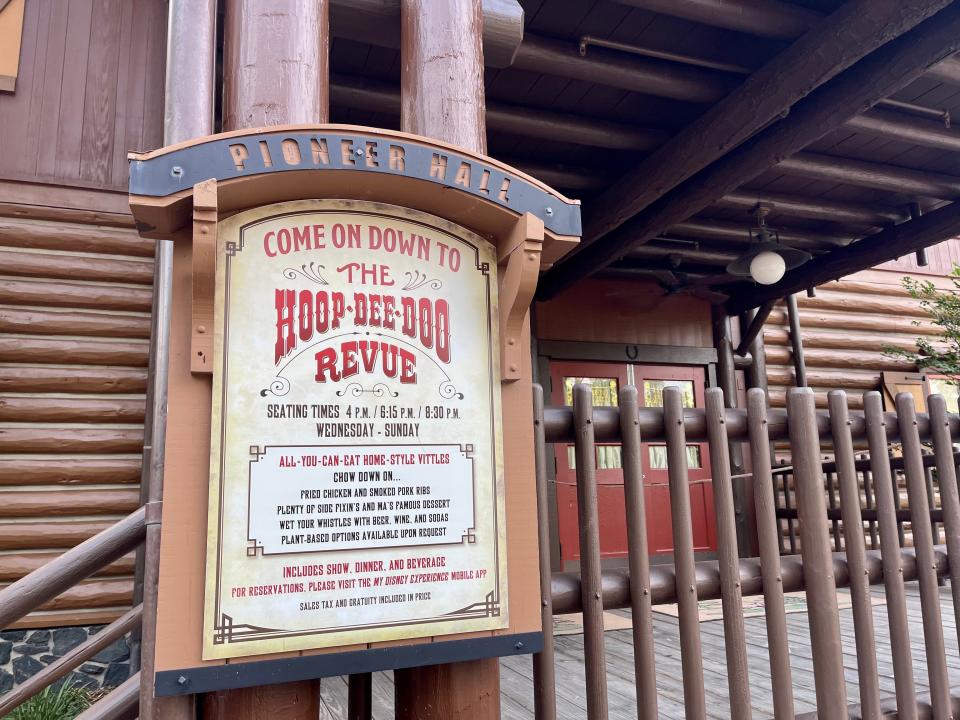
(921, 527)
(890, 556)
(949, 495)
(819, 581)
(688, 610)
(768, 531)
(591, 586)
(638, 556)
(856, 557)
(544, 671)
(731, 600)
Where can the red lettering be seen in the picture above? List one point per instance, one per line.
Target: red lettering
(442, 318)
(266, 244)
(286, 340)
(305, 308)
(327, 365)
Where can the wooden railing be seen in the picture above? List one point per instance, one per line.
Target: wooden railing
(44, 584)
(817, 569)
(787, 512)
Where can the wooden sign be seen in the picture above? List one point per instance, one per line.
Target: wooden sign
(356, 473)
(337, 495)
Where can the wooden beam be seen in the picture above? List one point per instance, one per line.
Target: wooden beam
(605, 67)
(441, 49)
(190, 81)
(929, 229)
(884, 72)
(710, 229)
(763, 18)
(814, 208)
(366, 94)
(753, 330)
(916, 131)
(796, 343)
(873, 175)
(838, 41)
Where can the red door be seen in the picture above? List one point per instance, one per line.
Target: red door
(606, 380)
(650, 381)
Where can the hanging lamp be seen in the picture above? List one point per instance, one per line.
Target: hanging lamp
(766, 259)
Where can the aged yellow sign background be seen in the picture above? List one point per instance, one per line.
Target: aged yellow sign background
(356, 490)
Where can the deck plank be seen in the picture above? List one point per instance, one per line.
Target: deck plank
(516, 675)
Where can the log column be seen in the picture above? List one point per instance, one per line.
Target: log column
(441, 77)
(442, 97)
(276, 72)
(276, 63)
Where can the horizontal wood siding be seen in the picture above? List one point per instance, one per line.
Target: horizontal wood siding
(90, 90)
(624, 311)
(845, 329)
(74, 346)
(75, 288)
(941, 260)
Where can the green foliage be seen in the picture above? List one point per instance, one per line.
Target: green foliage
(941, 355)
(62, 703)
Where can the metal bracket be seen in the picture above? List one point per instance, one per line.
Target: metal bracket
(153, 512)
(518, 282)
(204, 259)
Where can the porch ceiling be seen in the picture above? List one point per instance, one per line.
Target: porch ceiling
(591, 125)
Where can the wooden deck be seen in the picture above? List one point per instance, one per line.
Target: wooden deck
(517, 686)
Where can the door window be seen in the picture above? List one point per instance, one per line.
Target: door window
(604, 390)
(653, 392)
(658, 457)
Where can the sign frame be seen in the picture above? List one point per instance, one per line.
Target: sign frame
(524, 244)
(224, 634)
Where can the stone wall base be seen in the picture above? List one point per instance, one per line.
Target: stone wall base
(24, 653)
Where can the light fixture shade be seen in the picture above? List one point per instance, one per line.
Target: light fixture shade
(791, 258)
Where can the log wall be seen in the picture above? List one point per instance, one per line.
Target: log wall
(75, 288)
(74, 344)
(847, 325)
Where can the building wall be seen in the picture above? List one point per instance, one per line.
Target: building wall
(625, 311)
(846, 327)
(90, 89)
(75, 289)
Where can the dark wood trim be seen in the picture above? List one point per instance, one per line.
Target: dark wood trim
(755, 327)
(835, 43)
(627, 353)
(879, 75)
(210, 678)
(796, 342)
(894, 242)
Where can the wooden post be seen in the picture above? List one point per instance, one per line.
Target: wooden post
(441, 75)
(442, 96)
(188, 113)
(276, 72)
(796, 342)
(727, 381)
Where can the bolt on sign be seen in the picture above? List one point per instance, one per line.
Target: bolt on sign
(349, 479)
(356, 482)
